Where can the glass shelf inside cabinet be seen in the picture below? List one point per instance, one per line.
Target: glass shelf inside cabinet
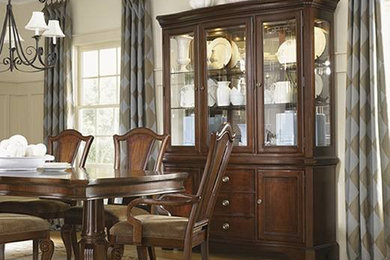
(182, 90)
(322, 83)
(227, 80)
(280, 83)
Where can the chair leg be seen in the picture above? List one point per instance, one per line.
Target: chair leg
(35, 249)
(142, 253)
(66, 235)
(47, 248)
(115, 252)
(204, 248)
(187, 254)
(152, 253)
(75, 244)
(2, 249)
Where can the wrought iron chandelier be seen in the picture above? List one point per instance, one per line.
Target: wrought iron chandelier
(32, 58)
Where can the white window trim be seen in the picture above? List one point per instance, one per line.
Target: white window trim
(78, 50)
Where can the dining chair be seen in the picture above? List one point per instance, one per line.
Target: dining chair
(146, 231)
(65, 148)
(139, 143)
(18, 227)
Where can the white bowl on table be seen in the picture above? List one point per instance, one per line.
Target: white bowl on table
(23, 163)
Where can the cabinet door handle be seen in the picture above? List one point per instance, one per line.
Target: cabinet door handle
(259, 201)
(259, 85)
(225, 226)
(225, 179)
(225, 203)
(202, 88)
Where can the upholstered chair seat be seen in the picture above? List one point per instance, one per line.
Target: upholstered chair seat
(18, 223)
(43, 208)
(19, 227)
(153, 226)
(112, 213)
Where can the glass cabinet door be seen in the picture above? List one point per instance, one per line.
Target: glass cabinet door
(322, 83)
(279, 87)
(227, 84)
(182, 90)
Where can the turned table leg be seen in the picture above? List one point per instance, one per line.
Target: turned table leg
(93, 243)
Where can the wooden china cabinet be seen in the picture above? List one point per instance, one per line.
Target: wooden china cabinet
(267, 67)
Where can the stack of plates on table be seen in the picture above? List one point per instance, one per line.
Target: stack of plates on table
(56, 166)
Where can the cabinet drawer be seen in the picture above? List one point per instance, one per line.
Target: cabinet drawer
(238, 180)
(236, 204)
(234, 227)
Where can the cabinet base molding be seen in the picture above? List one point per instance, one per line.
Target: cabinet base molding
(323, 252)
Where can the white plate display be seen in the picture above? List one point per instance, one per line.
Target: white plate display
(56, 166)
(319, 42)
(212, 92)
(287, 52)
(23, 163)
(318, 85)
(220, 51)
(236, 56)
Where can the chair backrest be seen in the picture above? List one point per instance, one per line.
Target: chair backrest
(67, 145)
(221, 145)
(140, 143)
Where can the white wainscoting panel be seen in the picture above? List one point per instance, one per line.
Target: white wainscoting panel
(21, 110)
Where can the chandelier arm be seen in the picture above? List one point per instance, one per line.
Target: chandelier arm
(18, 43)
(3, 31)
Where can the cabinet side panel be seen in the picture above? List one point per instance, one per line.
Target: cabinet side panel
(324, 198)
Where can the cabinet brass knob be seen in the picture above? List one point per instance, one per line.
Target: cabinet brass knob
(202, 88)
(225, 203)
(226, 179)
(259, 201)
(225, 226)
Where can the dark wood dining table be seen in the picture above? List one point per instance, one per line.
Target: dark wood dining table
(91, 186)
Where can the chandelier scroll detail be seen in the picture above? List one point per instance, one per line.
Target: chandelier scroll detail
(34, 58)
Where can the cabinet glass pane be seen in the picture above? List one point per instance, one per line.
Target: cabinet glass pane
(182, 90)
(322, 76)
(226, 80)
(280, 83)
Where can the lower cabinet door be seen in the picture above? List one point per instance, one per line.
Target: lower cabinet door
(280, 205)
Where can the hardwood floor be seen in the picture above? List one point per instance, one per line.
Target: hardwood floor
(23, 251)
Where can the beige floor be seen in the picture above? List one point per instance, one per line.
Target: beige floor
(22, 251)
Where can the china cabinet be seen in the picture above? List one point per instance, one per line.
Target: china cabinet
(267, 67)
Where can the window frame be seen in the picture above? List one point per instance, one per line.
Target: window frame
(78, 57)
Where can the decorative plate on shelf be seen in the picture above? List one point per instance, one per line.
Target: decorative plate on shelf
(236, 56)
(212, 92)
(319, 42)
(318, 85)
(287, 52)
(219, 53)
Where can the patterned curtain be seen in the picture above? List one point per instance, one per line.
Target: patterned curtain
(58, 96)
(367, 138)
(137, 93)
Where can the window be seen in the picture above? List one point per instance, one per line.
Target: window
(97, 109)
